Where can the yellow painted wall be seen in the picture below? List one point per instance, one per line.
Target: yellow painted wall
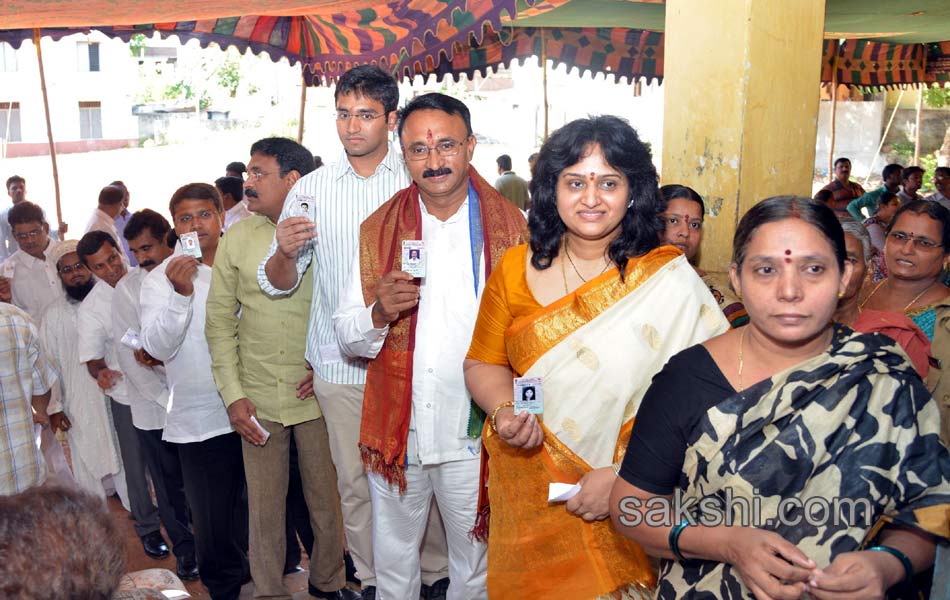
(740, 105)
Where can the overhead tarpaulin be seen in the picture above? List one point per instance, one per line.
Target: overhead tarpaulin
(625, 54)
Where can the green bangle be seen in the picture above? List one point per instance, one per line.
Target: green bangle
(675, 538)
(908, 567)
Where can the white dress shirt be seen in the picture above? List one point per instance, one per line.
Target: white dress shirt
(236, 213)
(148, 392)
(939, 199)
(448, 307)
(173, 331)
(35, 282)
(95, 336)
(342, 201)
(101, 221)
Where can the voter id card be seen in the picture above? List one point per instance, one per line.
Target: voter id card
(528, 395)
(8, 269)
(132, 339)
(414, 257)
(190, 245)
(302, 206)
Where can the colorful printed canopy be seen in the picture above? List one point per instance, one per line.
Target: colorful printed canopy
(443, 37)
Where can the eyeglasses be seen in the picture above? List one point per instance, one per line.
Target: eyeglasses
(366, 117)
(921, 243)
(72, 268)
(29, 235)
(443, 148)
(257, 175)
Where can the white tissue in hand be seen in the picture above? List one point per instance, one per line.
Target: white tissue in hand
(562, 492)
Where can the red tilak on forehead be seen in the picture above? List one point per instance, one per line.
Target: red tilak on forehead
(592, 175)
(787, 254)
(429, 135)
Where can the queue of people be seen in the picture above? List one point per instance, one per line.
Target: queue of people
(472, 403)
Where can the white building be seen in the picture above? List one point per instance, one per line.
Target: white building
(90, 82)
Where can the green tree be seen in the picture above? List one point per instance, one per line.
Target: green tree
(939, 97)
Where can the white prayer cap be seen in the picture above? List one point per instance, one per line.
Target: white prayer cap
(62, 249)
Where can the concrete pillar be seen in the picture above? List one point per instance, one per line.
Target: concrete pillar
(741, 81)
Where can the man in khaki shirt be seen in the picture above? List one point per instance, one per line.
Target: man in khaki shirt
(258, 360)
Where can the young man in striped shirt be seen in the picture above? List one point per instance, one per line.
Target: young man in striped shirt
(339, 198)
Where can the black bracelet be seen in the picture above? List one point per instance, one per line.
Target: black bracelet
(675, 538)
(908, 567)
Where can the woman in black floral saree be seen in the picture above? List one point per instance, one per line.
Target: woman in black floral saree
(820, 444)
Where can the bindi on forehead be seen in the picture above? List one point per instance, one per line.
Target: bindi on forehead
(788, 254)
(593, 176)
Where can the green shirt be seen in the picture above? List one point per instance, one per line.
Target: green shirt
(868, 200)
(257, 342)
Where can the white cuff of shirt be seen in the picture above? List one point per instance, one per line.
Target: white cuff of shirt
(180, 303)
(369, 331)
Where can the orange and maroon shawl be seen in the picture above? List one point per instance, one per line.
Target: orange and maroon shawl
(387, 400)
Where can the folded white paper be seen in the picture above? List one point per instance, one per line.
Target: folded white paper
(263, 431)
(562, 492)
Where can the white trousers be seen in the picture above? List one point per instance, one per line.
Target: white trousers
(399, 523)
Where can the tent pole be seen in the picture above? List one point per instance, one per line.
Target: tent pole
(544, 80)
(884, 136)
(920, 107)
(303, 106)
(49, 129)
(834, 110)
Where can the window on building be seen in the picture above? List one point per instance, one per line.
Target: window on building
(10, 122)
(90, 120)
(87, 55)
(7, 57)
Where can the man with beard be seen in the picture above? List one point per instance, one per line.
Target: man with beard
(97, 349)
(77, 406)
(367, 175)
(147, 233)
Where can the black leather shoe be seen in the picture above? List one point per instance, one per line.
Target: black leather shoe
(340, 594)
(350, 569)
(186, 568)
(437, 590)
(154, 545)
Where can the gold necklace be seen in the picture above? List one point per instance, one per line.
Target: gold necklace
(911, 303)
(581, 277)
(741, 339)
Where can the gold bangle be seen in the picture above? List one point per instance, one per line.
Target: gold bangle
(494, 413)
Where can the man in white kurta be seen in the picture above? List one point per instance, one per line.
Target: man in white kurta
(32, 275)
(146, 232)
(97, 350)
(89, 431)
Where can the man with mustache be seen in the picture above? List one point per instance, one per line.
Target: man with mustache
(343, 194)
(103, 256)
(77, 406)
(31, 276)
(147, 233)
(420, 435)
(257, 356)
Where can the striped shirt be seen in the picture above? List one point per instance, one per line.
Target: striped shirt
(341, 201)
(24, 372)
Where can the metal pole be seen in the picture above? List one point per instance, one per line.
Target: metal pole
(920, 107)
